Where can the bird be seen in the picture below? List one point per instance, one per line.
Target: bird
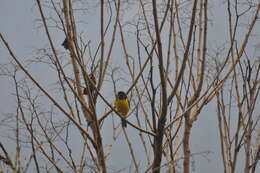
(65, 43)
(122, 106)
(91, 85)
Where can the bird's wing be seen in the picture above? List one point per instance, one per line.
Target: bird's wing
(128, 103)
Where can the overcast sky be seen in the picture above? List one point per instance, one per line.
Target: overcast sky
(18, 25)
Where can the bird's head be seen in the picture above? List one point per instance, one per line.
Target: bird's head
(121, 95)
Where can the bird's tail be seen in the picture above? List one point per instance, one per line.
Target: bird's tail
(124, 124)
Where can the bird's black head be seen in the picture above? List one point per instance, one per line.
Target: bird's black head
(121, 95)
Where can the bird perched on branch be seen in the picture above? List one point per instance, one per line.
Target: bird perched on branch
(122, 105)
(65, 43)
(91, 85)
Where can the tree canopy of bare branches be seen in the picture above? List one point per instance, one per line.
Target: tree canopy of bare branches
(178, 63)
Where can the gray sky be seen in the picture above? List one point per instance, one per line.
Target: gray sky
(19, 26)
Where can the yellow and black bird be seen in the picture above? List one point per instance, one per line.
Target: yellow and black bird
(122, 105)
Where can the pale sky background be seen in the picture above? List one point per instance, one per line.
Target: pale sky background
(18, 25)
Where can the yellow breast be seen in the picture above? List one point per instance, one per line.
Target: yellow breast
(122, 106)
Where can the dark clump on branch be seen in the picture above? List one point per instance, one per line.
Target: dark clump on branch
(91, 85)
(65, 44)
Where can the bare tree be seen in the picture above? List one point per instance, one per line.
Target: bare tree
(171, 73)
